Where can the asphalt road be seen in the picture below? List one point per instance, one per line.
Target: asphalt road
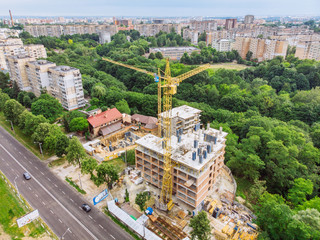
(58, 203)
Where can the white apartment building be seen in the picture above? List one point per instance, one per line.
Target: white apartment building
(308, 50)
(17, 70)
(222, 45)
(37, 72)
(65, 84)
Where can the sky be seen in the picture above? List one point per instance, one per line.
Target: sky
(158, 8)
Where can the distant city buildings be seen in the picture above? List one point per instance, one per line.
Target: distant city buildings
(174, 53)
(231, 23)
(222, 45)
(308, 50)
(248, 19)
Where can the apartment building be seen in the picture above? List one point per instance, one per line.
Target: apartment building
(153, 29)
(197, 158)
(174, 53)
(183, 118)
(231, 23)
(262, 49)
(193, 35)
(248, 19)
(204, 26)
(17, 70)
(222, 45)
(65, 84)
(308, 50)
(215, 36)
(37, 72)
(14, 46)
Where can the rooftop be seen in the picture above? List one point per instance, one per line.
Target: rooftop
(167, 49)
(183, 112)
(41, 62)
(104, 117)
(64, 68)
(182, 151)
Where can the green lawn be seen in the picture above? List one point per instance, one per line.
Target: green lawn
(10, 210)
(22, 138)
(57, 162)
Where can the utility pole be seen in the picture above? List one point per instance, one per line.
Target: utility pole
(17, 187)
(11, 126)
(40, 148)
(80, 181)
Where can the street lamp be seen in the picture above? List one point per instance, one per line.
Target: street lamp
(17, 187)
(64, 233)
(40, 148)
(11, 126)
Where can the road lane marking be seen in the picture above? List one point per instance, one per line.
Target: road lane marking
(12, 170)
(80, 207)
(30, 162)
(25, 157)
(60, 220)
(7, 164)
(29, 188)
(100, 226)
(69, 230)
(90, 217)
(20, 153)
(51, 195)
(42, 173)
(43, 203)
(49, 179)
(63, 192)
(51, 211)
(36, 195)
(36, 168)
(55, 185)
(71, 200)
(112, 236)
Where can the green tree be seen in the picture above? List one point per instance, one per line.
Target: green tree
(249, 56)
(141, 199)
(67, 118)
(127, 196)
(41, 132)
(98, 91)
(3, 98)
(88, 166)
(4, 80)
(47, 106)
(27, 101)
(299, 191)
(51, 140)
(201, 229)
(75, 152)
(61, 146)
(152, 56)
(78, 124)
(12, 109)
(159, 55)
(32, 122)
(108, 173)
(123, 106)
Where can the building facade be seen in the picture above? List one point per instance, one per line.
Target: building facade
(65, 84)
(174, 53)
(17, 70)
(231, 23)
(248, 19)
(308, 50)
(197, 159)
(37, 72)
(222, 45)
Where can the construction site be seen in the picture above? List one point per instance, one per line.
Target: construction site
(180, 166)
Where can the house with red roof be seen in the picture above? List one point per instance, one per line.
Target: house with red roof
(105, 123)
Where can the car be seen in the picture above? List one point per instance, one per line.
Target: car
(26, 176)
(86, 207)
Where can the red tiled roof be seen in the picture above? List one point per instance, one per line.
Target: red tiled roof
(104, 117)
(144, 119)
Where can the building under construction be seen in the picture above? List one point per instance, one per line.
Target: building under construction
(197, 157)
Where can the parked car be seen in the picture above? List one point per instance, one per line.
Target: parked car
(26, 176)
(86, 207)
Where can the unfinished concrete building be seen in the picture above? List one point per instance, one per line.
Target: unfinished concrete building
(197, 157)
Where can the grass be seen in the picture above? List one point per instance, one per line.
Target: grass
(73, 184)
(22, 138)
(233, 66)
(117, 162)
(106, 211)
(57, 162)
(10, 210)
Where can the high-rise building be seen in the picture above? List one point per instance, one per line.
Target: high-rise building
(204, 26)
(222, 45)
(65, 84)
(37, 72)
(231, 23)
(308, 50)
(248, 19)
(35, 50)
(17, 70)
(197, 159)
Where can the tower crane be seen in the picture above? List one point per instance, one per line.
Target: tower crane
(169, 86)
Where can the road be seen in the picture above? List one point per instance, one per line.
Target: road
(58, 203)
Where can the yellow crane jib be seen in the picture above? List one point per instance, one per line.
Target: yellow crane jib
(169, 88)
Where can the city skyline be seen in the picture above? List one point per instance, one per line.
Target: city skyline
(164, 9)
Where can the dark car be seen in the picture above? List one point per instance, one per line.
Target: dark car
(86, 207)
(26, 176)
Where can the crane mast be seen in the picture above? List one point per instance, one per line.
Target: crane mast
(169, 88)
